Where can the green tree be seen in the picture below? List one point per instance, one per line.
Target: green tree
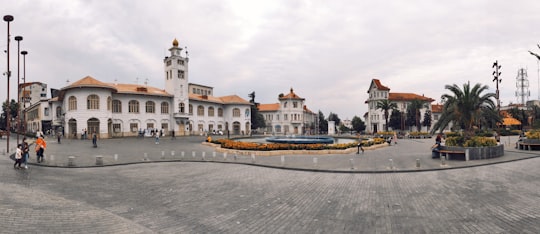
(467, 108)
(415, 106)
(386, 105)
(395, 119)
(335, 118)
(323, 123)
(357, 124)
(427, 119)
(13, 112)
(257, 119)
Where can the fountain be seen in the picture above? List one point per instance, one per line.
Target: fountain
(301, 139)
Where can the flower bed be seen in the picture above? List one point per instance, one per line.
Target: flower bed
(241, 145)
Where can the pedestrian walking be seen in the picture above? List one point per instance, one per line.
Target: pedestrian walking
(58, 136)
(41, 145)
(94, 140)
(26, 153)
(18, 157)
(156, 134)
(172, 135)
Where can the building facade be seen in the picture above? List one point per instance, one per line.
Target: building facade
(375, 120)
(120, 110)
(289, 116)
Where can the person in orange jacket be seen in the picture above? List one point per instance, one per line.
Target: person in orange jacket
(41, 145)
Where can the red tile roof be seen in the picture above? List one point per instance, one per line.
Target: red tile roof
(291, 95)
(436, 108)
(269, 107)
(407, 97)
(379, 85)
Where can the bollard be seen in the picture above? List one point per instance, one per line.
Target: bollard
(352, 163)
(214, 154)
(172, 153)
(391, 164)
(71, 161)
(443, 160)
(99, 160)
(115, 157)
(193, 154)
(145, 157)
(162, 154)
(282, 160)
(182, 154)
(417, 163)
(315, 162)
(203, 154)
(253, 158)
(51, 158)
(225, 156)
(3, 151)
(235, 157)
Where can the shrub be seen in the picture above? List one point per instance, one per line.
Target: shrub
(476, 141)
(241, 145)
(533, 134)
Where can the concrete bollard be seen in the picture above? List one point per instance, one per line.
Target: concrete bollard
(193, 154)
(214, 154)
(225, 156)
(417, 163)
(352, 163)
(145, 157)
(253, 158)
(3, 151)
(203, 154)
(99, 160)
(71, 161)
(115, 157)
(162, 154)
(443, 160)
(235, 157)
(172, 153)
(391, 164)
(282, 160)
(315, 163)
(50, 158)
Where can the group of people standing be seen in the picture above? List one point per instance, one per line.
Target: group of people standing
(23, 152)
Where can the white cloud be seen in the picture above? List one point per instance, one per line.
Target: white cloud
(327, 51)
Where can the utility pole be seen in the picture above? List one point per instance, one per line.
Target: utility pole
(497, 80)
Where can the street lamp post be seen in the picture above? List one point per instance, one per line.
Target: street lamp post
(496, 79)
(18, 39)
(8, 19)
(24, 53)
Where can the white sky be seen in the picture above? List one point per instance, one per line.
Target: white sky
(327, 51)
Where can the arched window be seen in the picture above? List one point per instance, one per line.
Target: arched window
(190, 109)
(116, 106)
(92, 102)
(236, 112)
(150, 107)
(72, 103)
(220, 112)
(164, 108)
(182, 107)
(211, 111)
(109, 103)
(133, 106)
(200, 111)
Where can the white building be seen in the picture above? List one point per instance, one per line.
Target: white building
(375, 121)
(289, 116)
(119, 110)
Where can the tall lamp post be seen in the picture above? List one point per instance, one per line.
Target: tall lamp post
(24, 53)
(8, 19)
(497, 80)
(18, 39)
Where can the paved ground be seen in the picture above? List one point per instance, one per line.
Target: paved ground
(208, 197)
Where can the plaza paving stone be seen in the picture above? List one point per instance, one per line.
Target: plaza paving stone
(166, 195)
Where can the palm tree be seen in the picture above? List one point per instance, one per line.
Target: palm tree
(415, 106)
(467, 108)
(385, 105)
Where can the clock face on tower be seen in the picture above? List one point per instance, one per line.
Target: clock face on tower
(177, 52)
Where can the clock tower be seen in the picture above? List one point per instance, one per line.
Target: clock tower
(176, 83)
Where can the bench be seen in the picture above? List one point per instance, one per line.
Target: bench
(528, 146)
(447, 153)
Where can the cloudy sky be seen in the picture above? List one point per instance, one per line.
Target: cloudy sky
(327, 51)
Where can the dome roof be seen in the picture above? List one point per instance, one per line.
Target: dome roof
(175, 42)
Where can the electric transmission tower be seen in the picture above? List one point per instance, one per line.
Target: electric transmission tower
(522, 85)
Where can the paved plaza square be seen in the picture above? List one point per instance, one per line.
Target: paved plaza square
(165, 193)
